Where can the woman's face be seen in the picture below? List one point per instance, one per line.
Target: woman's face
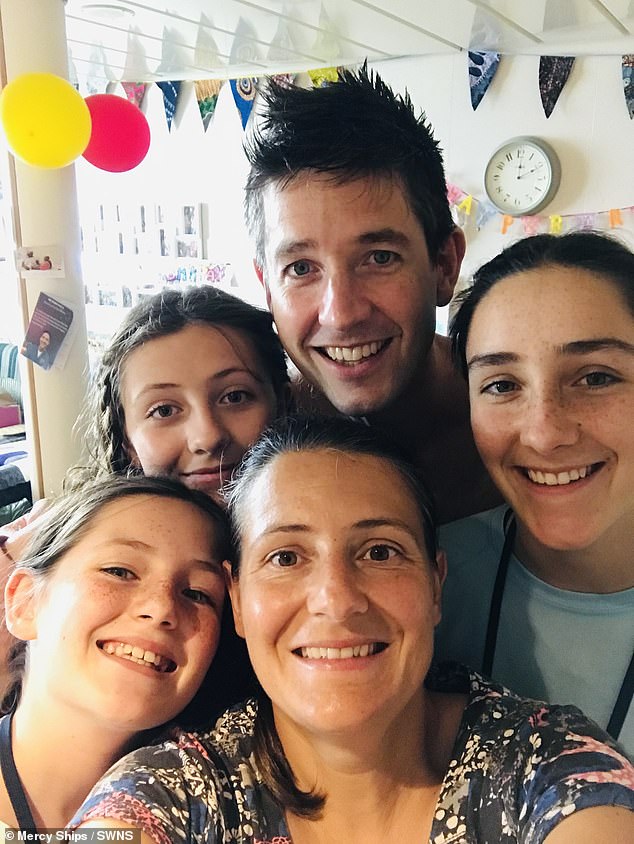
(127, 623)
(336, 598)
(194, 401)
(551, 382)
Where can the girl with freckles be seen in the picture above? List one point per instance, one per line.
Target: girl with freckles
(116, 607)
(354, 736)
(540, 592)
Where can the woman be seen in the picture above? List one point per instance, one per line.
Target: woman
(540, 594)
(336, 589)
(117, 608)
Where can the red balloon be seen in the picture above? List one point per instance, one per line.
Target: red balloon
(120, 136)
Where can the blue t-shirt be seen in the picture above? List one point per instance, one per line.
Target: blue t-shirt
(552, 644)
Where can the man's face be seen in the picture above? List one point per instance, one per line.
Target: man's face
(351, 286)
(45, 340)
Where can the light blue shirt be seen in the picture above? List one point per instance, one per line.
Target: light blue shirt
(552, 644)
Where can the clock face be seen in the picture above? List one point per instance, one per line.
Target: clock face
(522, 176)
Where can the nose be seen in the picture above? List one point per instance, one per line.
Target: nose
(158, 604)
(336, 591)
(548, 423)
(206, 432)
(344, 303)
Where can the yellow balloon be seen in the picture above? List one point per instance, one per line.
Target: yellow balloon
(45, 120)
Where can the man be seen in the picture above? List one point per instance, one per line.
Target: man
(356, 247)
(39, 352)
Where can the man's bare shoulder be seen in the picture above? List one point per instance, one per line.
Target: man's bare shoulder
(308, 399)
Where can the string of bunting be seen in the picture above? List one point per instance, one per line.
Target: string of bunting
(467, 208)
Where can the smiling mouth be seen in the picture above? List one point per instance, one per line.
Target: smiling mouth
(353, 355)
(561, 478)
(134, 653)
(350, 652)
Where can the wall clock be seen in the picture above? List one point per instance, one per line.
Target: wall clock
(522, 176)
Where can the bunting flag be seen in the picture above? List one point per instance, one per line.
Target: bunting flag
(284, 78)
(466, 208)
(326, 44)
(627, 66)
(207, 91)
(323, 76)
(170, 90)
(553, 75)
(136, 66)
(244, 91)
(482, 68)
(281, 48)
(134, 91)
(206, 50)
(244, 51)
(99, 73)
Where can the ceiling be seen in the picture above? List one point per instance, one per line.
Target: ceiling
(202, 39)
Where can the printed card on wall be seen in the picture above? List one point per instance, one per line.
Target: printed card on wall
(48, 336)
(39, 260)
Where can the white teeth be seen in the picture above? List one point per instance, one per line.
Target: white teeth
(339, 653)
(135, 654)
(559, 479)
(352, 354)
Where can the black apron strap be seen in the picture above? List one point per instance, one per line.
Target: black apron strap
(490, 642)
(12, 780)
(623, 702)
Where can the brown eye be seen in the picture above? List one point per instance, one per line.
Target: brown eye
(380, 553)
(284, 559)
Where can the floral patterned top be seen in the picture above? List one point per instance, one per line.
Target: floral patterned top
(519, 767)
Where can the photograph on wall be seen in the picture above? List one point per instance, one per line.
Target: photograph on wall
(48, 332)
(36, 260)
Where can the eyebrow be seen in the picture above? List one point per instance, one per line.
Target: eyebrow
(362, 524)
(387, 235)
(138, 545)
(217, 376)
(576, 347)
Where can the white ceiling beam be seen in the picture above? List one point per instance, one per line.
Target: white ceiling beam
(482, 4)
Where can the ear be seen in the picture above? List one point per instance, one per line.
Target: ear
(439, 575)
(448, 264)
(20, 605)
(259, 271)
(233, 588)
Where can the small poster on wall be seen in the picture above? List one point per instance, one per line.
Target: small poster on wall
(48, 338)
(39, 260)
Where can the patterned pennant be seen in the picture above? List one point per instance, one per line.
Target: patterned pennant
(244, 91)
(244, 47)
(627, 66)
(286, 79)
(207, 91)
(323, 76)
(206, 51)
(553, 75)
(170, 90)
(134, 91)
(482, 68)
